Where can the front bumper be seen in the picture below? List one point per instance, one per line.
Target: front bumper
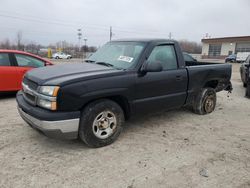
(54, 125)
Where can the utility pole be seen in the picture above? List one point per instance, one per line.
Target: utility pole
(85, 47)
(110, 33)
(170, 35)
(79, 34)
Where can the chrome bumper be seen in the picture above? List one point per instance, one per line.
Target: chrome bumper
(59, 129)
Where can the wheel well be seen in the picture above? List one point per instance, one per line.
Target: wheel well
(120, 100)
(212, 84)
(123, 102)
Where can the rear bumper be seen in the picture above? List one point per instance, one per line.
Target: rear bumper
(53, 125)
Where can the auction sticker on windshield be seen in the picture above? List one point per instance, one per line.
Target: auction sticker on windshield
(126, 59)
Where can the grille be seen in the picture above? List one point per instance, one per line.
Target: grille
(32, 85)
(29, 91)
(30, 97)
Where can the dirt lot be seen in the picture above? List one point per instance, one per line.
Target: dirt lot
(169, 149)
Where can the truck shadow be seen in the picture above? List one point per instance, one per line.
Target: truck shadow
(150, 119)
(134, 125)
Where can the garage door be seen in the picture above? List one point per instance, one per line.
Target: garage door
(242, 47)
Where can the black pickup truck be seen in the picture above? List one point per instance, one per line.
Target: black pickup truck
(91, 100)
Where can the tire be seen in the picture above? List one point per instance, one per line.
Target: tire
(101, 123)
(205, 101)
(57, 57)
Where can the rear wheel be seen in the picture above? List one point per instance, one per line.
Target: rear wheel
(205, 101)
(101, 123)
(57, 57)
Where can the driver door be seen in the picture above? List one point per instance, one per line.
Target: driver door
(165, 89)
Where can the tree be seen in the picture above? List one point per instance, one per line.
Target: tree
(190, 47)
(5, 44)
(33, 47)
(92, 49)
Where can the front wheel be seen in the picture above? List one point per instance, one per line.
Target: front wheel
(101, 123)
(205, 101)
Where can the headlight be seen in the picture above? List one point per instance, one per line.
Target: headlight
(49, 90)
(47, 97)
(46, 104)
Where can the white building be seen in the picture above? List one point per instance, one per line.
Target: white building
(219, 48)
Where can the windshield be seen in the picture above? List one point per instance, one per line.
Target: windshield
(120, 55)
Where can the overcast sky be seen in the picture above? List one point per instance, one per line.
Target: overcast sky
(49, 21)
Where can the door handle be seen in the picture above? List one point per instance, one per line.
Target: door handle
(178, 78)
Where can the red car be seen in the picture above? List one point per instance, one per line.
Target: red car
(14, 64)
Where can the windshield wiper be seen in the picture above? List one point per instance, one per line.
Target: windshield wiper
(99, 62)
(105, 64)
(102, 63)
(89, 61)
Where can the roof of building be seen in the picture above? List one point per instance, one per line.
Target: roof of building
(227, 39)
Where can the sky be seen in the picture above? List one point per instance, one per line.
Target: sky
(49, 21)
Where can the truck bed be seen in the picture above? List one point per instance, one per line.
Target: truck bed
(197, 63)
(217, 74)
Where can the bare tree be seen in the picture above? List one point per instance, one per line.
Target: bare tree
(190, 47)
(32, 47)
(5, 44)
(92, 49)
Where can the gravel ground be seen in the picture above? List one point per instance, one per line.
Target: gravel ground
(169, 149)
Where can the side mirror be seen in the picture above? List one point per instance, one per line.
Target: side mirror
(152, 67)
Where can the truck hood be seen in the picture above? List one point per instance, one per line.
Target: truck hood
(69, 73)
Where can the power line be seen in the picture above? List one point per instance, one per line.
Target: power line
(56, 20)
(47, 34)
(49, 22)
(77, 23)
(72, 24)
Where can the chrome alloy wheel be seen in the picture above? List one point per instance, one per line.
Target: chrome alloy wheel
(104, 124)
(209, 104)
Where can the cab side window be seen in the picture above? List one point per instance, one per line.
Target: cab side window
(4, 59)
(28, 61)
(164, 54)
(187, 57)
